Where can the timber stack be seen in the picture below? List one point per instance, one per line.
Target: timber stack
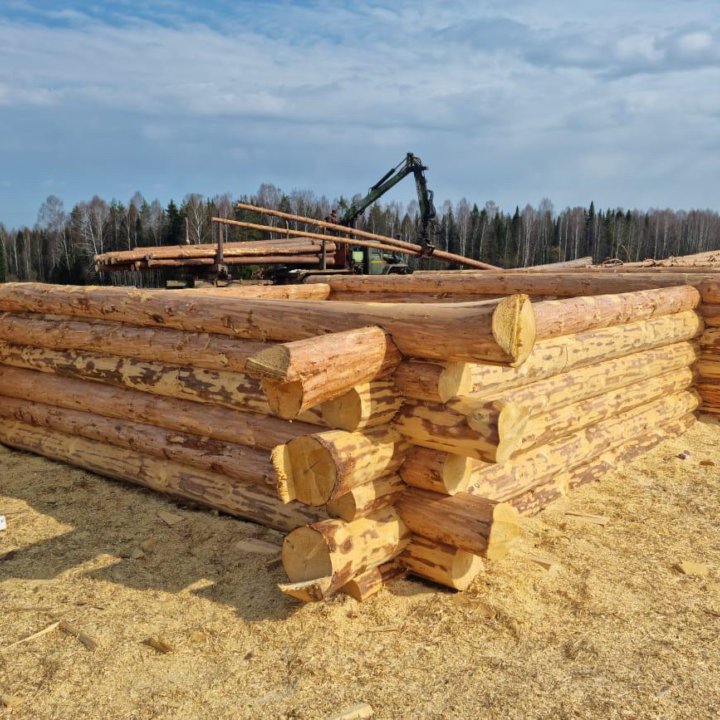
(389, 425)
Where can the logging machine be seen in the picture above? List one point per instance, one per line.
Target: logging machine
(375, 262)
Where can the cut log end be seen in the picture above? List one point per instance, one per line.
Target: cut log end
(504, 532)
(307, 591)
(309, 470)
(513, 327)
(455, 379)
(440, 563)
(285, 400)
(283, 473)
(272, 363)
(306, 557)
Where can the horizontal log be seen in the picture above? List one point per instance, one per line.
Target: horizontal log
(434, 382)
(501, 333)
(218, 387)
(710, 314)
(486, 431)
(709, 341)
(561, 284)
(708, 367)
(471, 523)
(365, 406)
(401, 297)
(580, 314)
(560, 355)
(237, 462)
(599, 379)
(443, 564)
(438, 471)
(556, 485)
(582, 262)
(311, 260)
(299, 375)
(315, 469)
(561, 421)
(370, 582)
(251, 502)
(340, 551)
(710, 289)
(365, 499)
(211, 421)
(156, 345)
(503, 481)
(709, 391)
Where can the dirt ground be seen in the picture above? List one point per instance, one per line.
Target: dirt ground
(612, 630)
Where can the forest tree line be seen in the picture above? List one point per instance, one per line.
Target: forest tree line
(60, 246)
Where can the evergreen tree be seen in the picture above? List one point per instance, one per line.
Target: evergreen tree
(3, 264)
(174, 225)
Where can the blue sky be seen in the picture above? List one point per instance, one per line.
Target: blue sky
(510, 101)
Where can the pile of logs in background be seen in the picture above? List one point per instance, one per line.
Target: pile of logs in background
(387, 424)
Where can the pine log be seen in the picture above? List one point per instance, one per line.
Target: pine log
(710, 341)
(554, 486)
(370, 582)
(200, 350)
(474, 524)
(305, 373)
(401, 297)
(311, 260)
(218, 387)
(248, 429)
(438, 471)
(315, 469)
(589, 381)
(582, 262)
(487, 431)
(443, 564)
(506, 480)
(561, 355)
(340, 551)
(574, 315)
(502, 333)
(561, 421)
(217, 491)
(237, 462)
(709, 391)
(365, 499)
(708, 367)
(439, 383)
(563, 284)
(710, 290)
(365, 406)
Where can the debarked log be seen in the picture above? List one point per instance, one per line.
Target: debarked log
(443, 564)
(252, 502)
(302, 374)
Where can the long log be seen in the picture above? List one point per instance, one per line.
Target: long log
(250, 430)
(237, 462)
(506, 480)
(580, 314)
(401, 297)
(502, 333)
(487, 431)
(218, 387)
(321, 467)
(399, 244)
(582, 262)
(471, 523)
(443, 564)
(441, 382)
(438, 471)
(365, 499)
(217, 491)
(295, 259)
(556, 485)
(365, 406)
(543, 284)
(338, 551)
(302, 374)
(370, 582)
(561, 421)
(161, 345)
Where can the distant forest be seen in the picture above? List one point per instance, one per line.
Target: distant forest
(60, 246)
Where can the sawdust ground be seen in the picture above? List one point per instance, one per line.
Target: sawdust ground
(614, 632)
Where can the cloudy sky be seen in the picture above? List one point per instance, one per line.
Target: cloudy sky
(605, 100)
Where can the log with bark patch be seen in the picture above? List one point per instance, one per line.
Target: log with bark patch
(252, 502)
(443, 564)
(501, 333)
(365, 499)
(370, 582)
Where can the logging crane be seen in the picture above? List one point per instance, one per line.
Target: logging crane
(371, 261)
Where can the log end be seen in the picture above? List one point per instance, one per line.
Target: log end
(345, 412)
(308, 591)
(456, 473)
(273, 363)
(455, 379)
(513, 327)
(283, 473)
(285, 399)
(306, 557)
(310, 467)
(504, 532)
(343, 507)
